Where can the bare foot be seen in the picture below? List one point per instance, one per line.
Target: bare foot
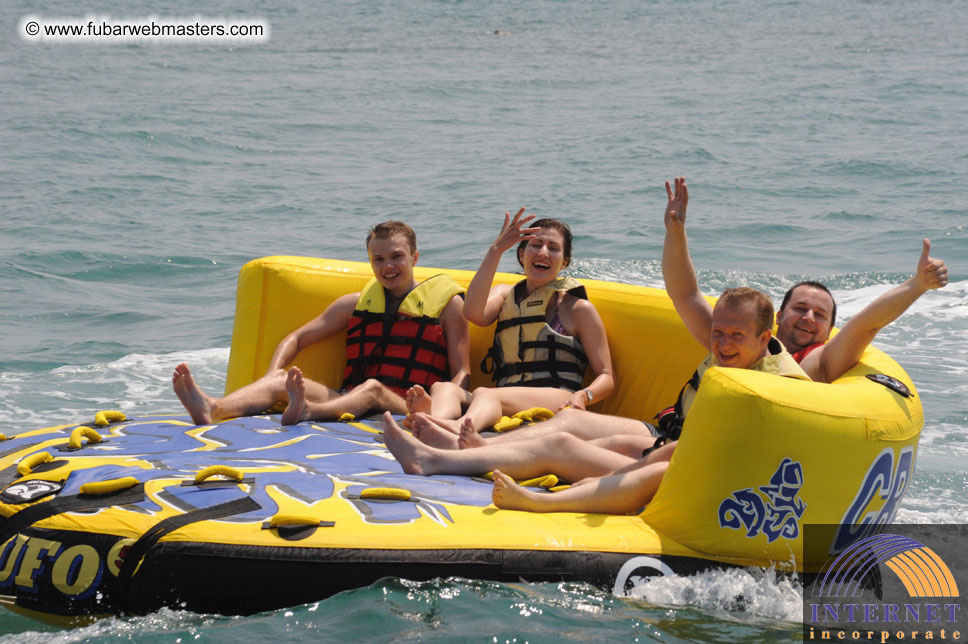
(508, 495)
(296, 411)
(414, 456)
(447, 424)
(199, 404)
(468, 435)
(429, 433)
(418, 400)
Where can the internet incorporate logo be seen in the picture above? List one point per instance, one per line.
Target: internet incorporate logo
(922, 572)
(917, 596)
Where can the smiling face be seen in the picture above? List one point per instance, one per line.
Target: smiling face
(805, 319)
(734, 341)
(543, 257)
(392, 261)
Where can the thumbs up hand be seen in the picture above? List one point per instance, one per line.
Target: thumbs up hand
(932, 273)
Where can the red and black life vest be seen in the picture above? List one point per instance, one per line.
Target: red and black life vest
(400, 347)
(805, 351)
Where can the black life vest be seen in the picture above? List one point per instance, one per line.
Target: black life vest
(400, 347)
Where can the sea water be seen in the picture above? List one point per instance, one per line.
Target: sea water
(820, 140)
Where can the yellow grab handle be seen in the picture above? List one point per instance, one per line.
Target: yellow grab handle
(291, 519)
(535, 414)
(219, 470)
(507, 423)
(388, 493)
(347, 418)
(112, 485)
(547, 481)
(105, 418)
(83, 432)
(32, 461)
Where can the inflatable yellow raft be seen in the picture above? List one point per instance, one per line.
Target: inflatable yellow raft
(128, 515)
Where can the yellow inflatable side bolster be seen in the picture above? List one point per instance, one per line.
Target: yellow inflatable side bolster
(886, 414)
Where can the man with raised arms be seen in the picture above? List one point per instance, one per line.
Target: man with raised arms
(804, 322)
(383, 323)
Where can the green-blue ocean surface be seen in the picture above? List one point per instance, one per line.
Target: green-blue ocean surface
(820, 139)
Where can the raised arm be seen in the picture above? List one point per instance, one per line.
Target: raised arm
(458, 338)
(482, 304)
(331, 321)
(677, 268)
(847, 347)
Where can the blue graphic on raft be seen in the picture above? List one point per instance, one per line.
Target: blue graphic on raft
(305, 462)
(774, 511)
(884, 484)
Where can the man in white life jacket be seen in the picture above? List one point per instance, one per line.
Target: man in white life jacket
(399, 333)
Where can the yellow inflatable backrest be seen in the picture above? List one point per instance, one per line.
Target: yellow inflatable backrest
(652, 353)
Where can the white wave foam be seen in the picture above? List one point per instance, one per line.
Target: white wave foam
(136, 383)
(941, 305)
(940, 516)
(759, 592)
(189, 626)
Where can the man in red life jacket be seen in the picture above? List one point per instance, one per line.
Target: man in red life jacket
(399, 333)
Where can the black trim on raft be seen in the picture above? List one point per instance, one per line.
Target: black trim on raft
(240, 580)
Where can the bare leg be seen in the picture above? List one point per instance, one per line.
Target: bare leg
(447, 399)
(296, 390)
(584, 424)
(627, 444)
(613, 494)
(449, 425)
(559, 454)
(359, 401)
(488, 404)
(199, 404)
(252, 399)
(432, 434)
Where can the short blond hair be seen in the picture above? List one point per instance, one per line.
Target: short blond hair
(389, 229)
(732, 297)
